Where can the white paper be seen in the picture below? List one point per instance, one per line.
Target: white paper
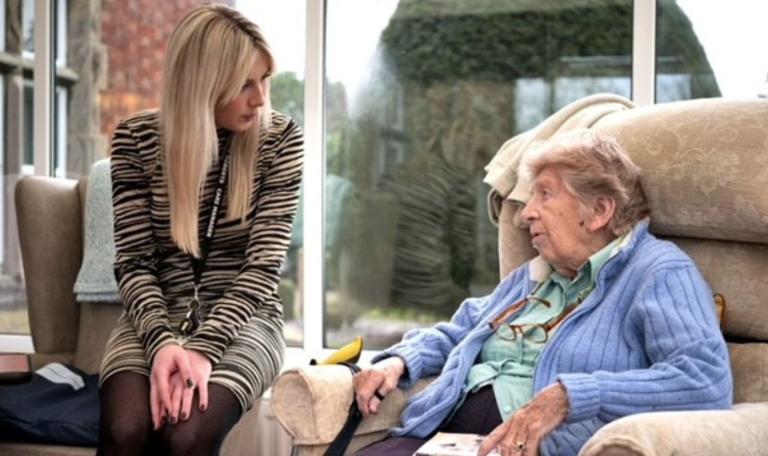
(451, 444)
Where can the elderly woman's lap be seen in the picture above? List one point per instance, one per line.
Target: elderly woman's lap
(479, 414)
(395, 446)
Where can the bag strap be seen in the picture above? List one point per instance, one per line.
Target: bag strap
(354, 417)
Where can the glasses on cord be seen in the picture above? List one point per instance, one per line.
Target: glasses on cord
(538, 333)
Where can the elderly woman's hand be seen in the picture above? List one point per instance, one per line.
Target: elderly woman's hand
(523, 432)
(373, 383)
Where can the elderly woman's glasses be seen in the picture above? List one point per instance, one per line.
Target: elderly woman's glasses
(538, 333)
(535, 333)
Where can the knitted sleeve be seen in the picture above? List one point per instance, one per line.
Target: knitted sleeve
(673, 317)
(426, 350)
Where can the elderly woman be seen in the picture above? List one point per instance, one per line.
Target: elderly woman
(608, 321)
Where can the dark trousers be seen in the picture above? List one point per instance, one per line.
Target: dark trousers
(478, 415)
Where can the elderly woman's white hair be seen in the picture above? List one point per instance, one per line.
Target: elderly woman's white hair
(593, 165)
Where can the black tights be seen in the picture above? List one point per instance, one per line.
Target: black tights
(126, 421)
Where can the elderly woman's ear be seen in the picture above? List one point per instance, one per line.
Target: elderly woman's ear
(601, 213)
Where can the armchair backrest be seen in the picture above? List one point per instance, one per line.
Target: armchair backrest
(49, 218)
(50, 215)
(705, 164)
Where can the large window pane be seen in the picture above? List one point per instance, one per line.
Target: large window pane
(17, 156)
(420, 95)
(283, 26)
(710, 49)
(28, 26)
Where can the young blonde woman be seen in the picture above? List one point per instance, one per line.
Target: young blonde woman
(204, 191)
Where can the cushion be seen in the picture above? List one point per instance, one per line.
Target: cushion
(736, 270)
(702, 161)
(749, 364)
(742, 431)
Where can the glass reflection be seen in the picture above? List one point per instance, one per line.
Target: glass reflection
(419, 100)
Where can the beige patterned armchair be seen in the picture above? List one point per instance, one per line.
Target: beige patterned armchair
(706, 168)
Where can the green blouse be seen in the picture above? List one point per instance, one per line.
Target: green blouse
(507, 360)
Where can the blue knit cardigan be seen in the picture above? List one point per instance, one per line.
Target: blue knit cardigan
(645, 339)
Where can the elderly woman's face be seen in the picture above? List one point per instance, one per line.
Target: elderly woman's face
(556, 222)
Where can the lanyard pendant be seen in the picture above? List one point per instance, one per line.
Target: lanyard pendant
(192, 319)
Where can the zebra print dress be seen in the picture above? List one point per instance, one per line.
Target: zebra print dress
(242, 328)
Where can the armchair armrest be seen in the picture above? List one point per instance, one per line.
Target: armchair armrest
(312, 402)
(741, 431)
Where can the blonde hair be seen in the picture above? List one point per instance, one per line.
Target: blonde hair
(592, 165)
(210, 54)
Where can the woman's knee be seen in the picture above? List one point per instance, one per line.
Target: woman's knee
(185, 440)
(125, 436)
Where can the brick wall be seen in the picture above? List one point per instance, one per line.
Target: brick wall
(134, 33)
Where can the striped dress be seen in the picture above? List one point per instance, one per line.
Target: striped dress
(242, 328)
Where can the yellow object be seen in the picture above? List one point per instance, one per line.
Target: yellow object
(720, 309)
(349, 353)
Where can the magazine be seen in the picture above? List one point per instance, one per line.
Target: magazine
(451, 444)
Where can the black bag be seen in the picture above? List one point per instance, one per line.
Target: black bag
(44, 411)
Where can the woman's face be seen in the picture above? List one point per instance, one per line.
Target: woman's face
(557, 224)
(242, 111)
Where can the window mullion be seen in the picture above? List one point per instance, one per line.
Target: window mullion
(644, 52)
(312, 261)
(43, 87)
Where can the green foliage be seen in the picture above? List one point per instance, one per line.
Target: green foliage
(425, 46)
(287, 93)
(503, 46)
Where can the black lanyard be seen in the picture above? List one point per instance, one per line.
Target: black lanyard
(192, 318)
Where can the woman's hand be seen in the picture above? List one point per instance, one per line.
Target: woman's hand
(523, 432)
(182, 395)
(181, 399)
(170, 359)
(201, 373)
(373, 383)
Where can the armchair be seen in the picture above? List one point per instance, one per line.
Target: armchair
(706, 169)
(50, 215)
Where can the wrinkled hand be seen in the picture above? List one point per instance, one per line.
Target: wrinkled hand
(523, 432)
(380, 378)
(170, 360)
